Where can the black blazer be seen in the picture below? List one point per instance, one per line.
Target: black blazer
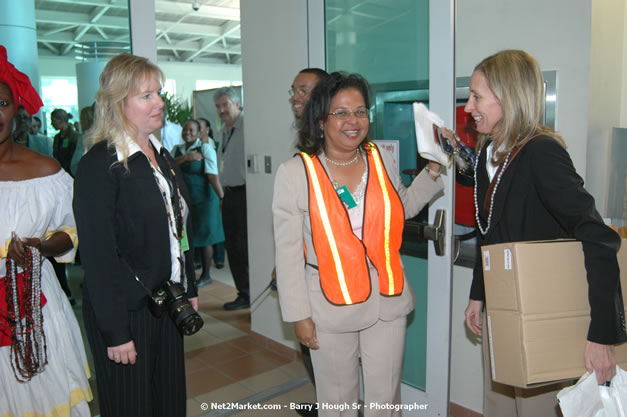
(123, 229)
(541, 197)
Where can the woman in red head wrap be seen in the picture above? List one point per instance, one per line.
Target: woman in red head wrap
(43, 367)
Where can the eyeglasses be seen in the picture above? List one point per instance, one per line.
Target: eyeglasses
(345, 114)
(301, 91)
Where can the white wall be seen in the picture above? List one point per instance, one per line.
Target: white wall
(57, 67)
(274, 49)
(186, 75)
(606, 93)
(556, 32)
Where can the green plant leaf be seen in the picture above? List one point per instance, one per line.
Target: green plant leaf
(177, 112)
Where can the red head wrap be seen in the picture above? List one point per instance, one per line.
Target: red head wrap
(19, 83)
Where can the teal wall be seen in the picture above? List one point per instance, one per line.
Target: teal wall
(415, 363)
(383, 40)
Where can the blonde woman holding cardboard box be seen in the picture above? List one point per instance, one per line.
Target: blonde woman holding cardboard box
(526, 188)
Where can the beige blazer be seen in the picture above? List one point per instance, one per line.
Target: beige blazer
(300, 294)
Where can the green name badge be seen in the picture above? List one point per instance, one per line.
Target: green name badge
(66, 143)
(184, 242)
(346, 197)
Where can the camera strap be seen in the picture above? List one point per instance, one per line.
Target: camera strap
(136, 276)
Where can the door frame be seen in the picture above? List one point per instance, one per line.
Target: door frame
(440, 269)
(442, 101)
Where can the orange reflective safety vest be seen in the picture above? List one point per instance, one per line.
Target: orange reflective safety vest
(342, 256)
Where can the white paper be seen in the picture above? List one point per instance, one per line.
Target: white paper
(508, 259)
(428, 143)
(486, 260)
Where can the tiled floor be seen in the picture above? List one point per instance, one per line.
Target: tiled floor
(225, 362)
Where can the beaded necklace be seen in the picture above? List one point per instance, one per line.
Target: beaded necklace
(28, 341)
(498, 180)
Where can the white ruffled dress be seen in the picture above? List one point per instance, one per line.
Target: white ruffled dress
(38, 208)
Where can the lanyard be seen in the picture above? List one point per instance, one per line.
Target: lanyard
(227, 140)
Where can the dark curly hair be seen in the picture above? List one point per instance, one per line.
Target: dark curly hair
(310, 134)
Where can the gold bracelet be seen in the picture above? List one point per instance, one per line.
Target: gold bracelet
(434, 175)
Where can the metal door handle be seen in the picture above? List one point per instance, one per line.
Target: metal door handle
(434, 232)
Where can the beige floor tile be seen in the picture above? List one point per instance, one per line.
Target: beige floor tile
(283, 412)
(200, 340)
(295, 369)
(225, 394)
(304, 394)
(222, 352)
(193, 363)
(245, 367)
(223, 330)
(219, 290)
(266, 380)
(252, 342)
(193, 408)
(206, 380)
(274, 357)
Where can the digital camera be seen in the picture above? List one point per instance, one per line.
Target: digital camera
(171, 298)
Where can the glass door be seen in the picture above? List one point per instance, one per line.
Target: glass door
(392, 44)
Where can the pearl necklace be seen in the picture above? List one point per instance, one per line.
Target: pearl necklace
(343, 164)
(498, 181)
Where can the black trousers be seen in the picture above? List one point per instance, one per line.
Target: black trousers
(236, 236)
(155, 385)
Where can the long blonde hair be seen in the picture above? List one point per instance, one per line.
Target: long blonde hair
(515, 79)
(121, 76)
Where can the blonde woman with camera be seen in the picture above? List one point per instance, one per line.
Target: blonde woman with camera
(131, 209)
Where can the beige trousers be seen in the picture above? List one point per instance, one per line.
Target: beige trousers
(336, 368)
(500, 400)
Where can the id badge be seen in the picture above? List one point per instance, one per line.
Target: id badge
(346, 196)
(221, 166)
(184, 241)
(66, 142)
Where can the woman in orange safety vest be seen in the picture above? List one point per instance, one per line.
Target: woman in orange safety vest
(345, 291)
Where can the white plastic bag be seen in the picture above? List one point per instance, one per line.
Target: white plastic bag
(587, 399)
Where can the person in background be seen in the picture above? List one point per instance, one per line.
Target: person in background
(199, 164)
(232, 164)
(43, 366)
(132, 212)
(206, 135)
(23, 136)
(302, 86)
(346, 291)
(527, 189)
(64, 143)
(35, 128)
(63, 148)
(87, 119)
(170, 132)
(206, 132)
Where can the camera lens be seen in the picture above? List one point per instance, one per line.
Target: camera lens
(187, 320)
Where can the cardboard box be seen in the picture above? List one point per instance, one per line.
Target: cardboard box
(538, 312)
